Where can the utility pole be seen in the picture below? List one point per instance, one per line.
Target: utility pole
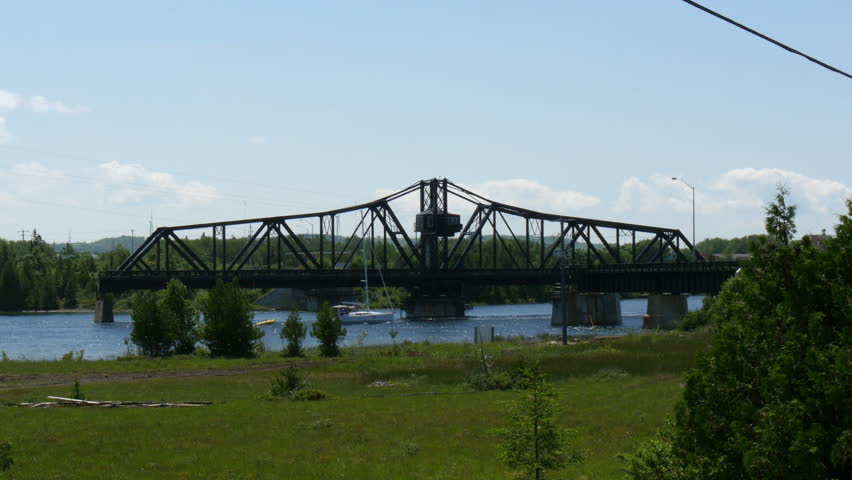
(131, 240)
(22, 232)
(562, 297)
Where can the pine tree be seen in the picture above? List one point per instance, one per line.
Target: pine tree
(151, 332)
(181, 317)
(293, 333)
(229, 329)
(533, 443)
(328, 330)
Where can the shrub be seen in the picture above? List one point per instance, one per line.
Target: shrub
(532, 442)
(310, 394)
(6, 460)
(229, 329)
(328, 330)
(699, 318)
(77, 392)
(180, 316)
(293, 333)
(765, 398)
(286, 382)
(151, 332)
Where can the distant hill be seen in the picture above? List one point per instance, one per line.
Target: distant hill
(103, 245)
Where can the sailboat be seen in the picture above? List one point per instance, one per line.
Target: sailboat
(356, 313)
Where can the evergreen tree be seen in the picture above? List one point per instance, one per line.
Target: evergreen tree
(293, 333)
(181, 316)
(328, 330)
(151, 330)
(770, 398)
(229, 329)
(533, 443)
(11, 293)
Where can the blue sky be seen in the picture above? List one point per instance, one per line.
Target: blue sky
(201, 111)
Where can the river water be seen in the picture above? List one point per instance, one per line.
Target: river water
(47, 336)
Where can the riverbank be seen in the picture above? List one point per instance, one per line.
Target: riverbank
(427, 424)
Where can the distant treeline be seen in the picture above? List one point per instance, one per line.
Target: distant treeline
(33, 276)
(727, 247)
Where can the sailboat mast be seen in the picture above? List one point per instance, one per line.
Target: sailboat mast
(364, 254)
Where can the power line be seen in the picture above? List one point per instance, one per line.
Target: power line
(768, 39)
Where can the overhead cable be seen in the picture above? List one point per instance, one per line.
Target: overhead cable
(768, 39)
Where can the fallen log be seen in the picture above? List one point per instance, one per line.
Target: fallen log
(76, 402)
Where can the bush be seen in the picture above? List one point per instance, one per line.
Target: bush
(328, 330)
(286, 382)
(77, 392)
(180, 316)
(6, 460)
(766, 399)
(532, 442)
(699, 318)
(151, 330)
(293, 334)
(229, 329)
(310, 394)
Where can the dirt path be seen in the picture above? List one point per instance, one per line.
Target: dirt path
(66, 379)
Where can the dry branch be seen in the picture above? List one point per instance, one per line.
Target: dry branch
(76, 402)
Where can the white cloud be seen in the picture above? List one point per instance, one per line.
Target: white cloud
(5, 136)
(41, 104)
(133, 183)
(8, 100)
(520, 192)
(733, 203)
(257, 140)
(822, 195)
(654, 194)
(33, 177)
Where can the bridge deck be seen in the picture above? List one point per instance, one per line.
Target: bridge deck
(687, 277)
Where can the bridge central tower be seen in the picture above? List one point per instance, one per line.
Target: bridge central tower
(434, 223)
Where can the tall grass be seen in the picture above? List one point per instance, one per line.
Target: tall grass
(616, 392)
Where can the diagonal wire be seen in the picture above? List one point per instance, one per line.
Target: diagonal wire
(768, 39)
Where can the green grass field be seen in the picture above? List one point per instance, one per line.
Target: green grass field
(614, 392)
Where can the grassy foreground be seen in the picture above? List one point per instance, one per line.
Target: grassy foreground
(614, 392)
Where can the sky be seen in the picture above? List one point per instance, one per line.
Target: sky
(114, 113)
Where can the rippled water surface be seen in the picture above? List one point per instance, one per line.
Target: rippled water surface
(49, 336)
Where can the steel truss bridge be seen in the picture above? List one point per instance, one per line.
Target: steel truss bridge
(437, 253)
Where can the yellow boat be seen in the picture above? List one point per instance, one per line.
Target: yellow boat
(265, 322)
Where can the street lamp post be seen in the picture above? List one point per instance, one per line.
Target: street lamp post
(693, 209)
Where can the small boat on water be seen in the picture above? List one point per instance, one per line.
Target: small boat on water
(265, 322)
(358, 314)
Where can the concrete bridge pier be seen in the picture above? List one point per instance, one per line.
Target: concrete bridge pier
(588, 309)
(434, 306)
(665, 311)
(103, 310)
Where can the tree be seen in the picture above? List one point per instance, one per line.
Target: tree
(228, 329)
(151, 330)
(294, 332)
(328, 330)
(533, 443)
(11, 293)
(181, 317)
(769, 398)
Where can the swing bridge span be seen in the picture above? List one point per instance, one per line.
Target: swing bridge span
(439, 253)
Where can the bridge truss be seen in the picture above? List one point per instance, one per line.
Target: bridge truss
(496, 244)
